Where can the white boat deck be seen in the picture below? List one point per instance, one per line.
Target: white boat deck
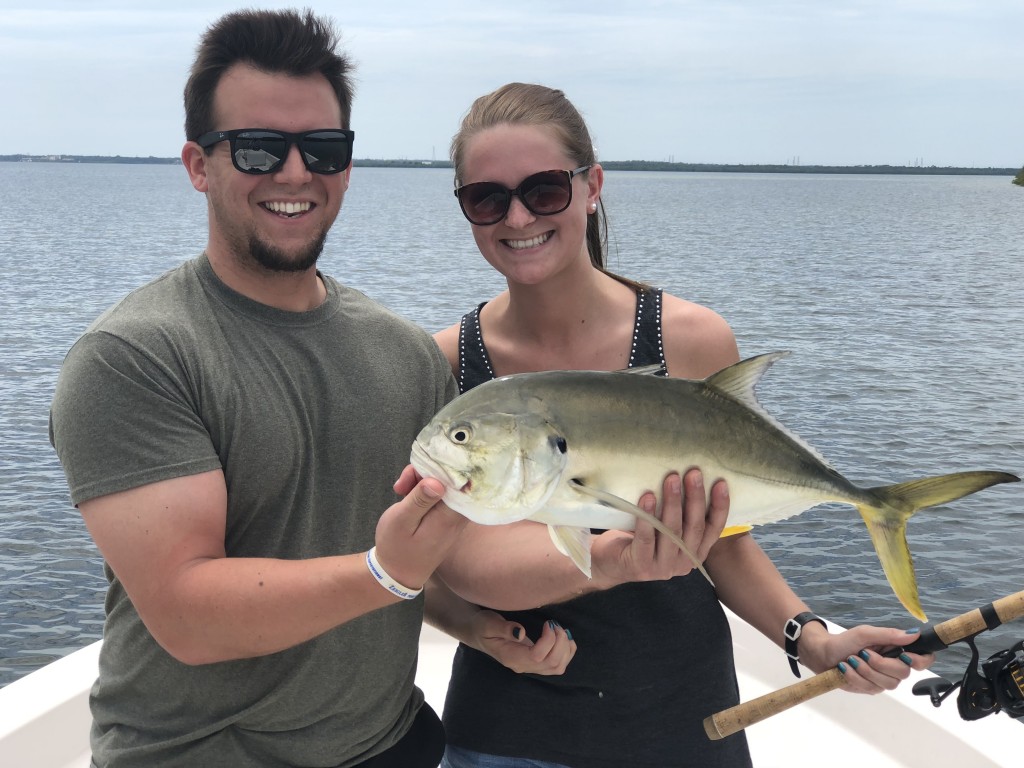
(44, 717)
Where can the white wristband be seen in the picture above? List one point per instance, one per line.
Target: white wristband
(386, 581)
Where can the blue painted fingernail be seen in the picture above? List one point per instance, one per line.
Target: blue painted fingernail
(853, 662)
(905, 659)
(568, 634)
(865, 655)
(842, 667)
(516, 632)
(913, 631)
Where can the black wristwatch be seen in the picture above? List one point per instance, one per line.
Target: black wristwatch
(792, 631)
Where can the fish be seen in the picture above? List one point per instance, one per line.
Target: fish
(575, 449)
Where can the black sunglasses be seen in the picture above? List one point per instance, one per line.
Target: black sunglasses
(258, 151)
(544, 194)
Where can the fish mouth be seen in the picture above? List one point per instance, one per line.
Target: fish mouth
(427, 467)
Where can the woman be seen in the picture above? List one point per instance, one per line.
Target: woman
(654, 657)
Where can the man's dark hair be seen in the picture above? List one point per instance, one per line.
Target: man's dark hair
(284, 42)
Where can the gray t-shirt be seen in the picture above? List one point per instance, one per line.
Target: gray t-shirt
(310, 416)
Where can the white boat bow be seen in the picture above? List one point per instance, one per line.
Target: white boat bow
(44, 716)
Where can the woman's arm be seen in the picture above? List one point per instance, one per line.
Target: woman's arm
(751, 586)
(489, 632)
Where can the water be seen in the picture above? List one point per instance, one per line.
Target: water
(901, 298)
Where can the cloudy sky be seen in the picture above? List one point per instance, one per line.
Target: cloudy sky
(845, 82)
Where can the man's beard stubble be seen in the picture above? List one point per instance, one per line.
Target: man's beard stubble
(274, 259)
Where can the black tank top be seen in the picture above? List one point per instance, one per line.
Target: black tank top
(475, 364)
(653, 660)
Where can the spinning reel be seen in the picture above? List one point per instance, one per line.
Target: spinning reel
(998, 686)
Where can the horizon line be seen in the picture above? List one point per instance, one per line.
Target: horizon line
(370, 162)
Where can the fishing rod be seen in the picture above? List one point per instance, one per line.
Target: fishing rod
(999, 685)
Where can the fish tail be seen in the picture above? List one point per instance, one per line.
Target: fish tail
(893, 505)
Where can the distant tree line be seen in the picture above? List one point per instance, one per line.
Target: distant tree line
(932, 170)
(611, 165)
(90, 159)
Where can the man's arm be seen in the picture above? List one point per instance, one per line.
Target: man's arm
(165, 542)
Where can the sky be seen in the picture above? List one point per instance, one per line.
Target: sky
(809, 82)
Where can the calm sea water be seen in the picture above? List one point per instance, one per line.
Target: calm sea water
(901, 298)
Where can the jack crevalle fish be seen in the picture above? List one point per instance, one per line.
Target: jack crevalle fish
(577, 449)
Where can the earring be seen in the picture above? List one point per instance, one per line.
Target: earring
(593, 207)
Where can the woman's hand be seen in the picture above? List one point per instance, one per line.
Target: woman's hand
(858, 654)
(649, 555)
(506, 642)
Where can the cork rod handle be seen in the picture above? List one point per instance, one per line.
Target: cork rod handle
(734, 719)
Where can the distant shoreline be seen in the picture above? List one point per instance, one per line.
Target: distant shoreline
(611, 165)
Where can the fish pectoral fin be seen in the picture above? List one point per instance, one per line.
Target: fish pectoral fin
(617, 502)
(735, 530)
(574, 543)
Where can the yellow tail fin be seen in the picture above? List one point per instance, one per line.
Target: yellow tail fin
(887, 522)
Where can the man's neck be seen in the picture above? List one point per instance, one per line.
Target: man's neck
(289, 291)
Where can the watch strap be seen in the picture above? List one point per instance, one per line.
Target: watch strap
(792, 630)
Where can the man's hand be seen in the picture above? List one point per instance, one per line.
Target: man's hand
(415, 535)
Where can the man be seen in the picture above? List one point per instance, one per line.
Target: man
(225, 431)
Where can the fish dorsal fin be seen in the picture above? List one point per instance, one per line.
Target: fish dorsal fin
(644, 370)
(738, 382)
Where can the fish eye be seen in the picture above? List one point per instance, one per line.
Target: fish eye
(460, 434)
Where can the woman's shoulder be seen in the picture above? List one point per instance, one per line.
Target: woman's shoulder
(698, 341)
(680, 312)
